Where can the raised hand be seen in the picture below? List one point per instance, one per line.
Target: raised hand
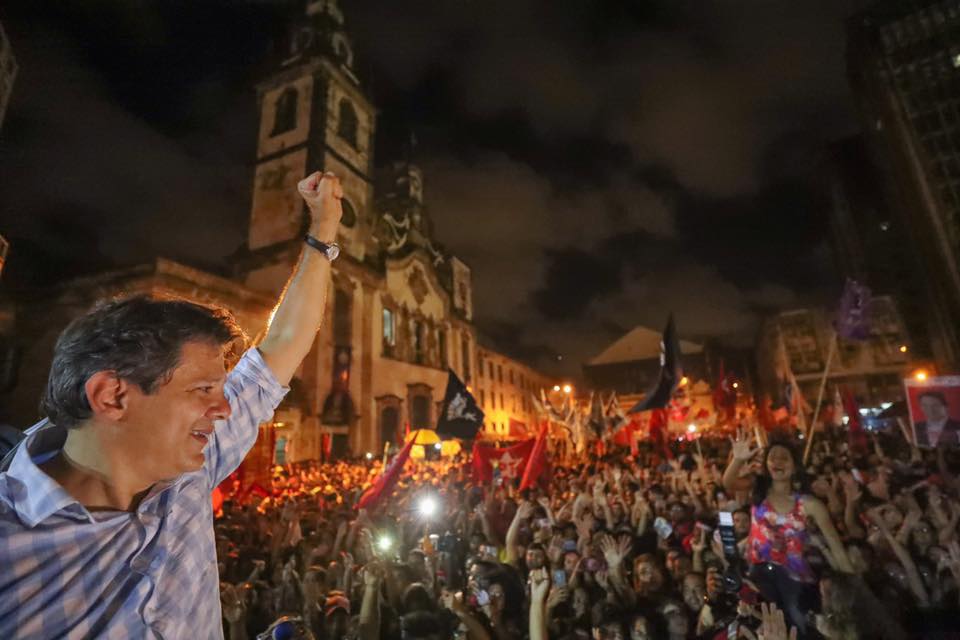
(322, 193)
(539, 585)
(743, 448)
(557, 595)
(773, 626)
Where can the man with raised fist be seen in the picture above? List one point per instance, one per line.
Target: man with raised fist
(106, 529)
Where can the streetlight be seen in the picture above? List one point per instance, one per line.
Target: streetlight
(438, 446)
(556, 387)
(920, 375)
(369, 456)
(384, 543)
(684, 380)
(736, 385)
(567, 388)
(692, 428)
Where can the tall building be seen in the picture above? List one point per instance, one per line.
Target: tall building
(399, 307)
(868, 239)
(873, 369)
(904, 67)
(8, 72)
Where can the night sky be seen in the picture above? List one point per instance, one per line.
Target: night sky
(597, 164)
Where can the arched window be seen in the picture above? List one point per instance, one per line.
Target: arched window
(389, 424)
(420, 412)
(342, 320)
(285, 112)
(347, 123)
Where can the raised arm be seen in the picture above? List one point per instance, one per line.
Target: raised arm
(300, 310)
(742, 452)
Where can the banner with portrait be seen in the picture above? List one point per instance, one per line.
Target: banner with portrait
(934, 405)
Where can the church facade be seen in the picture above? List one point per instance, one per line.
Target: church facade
(399, 310)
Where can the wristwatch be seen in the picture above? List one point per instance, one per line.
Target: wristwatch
(330, 251)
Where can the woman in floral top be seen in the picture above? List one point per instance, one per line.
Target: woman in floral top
(778, 532)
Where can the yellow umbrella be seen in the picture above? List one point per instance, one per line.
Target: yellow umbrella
(423, 437)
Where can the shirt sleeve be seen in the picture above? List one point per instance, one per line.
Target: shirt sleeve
(253, 393)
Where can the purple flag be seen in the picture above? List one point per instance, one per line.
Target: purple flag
(853, 322)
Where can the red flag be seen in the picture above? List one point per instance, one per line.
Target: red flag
(509, 460)
(537, 461)
(385, 483)
(856, 436)
(517, 429)
(658, 425)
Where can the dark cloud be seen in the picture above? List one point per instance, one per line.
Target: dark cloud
(597, 163)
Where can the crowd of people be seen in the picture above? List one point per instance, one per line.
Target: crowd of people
(733, 536)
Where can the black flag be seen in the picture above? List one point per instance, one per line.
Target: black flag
(460, 417)
(670, 372)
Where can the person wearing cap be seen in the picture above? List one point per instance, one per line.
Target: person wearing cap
(106, 523)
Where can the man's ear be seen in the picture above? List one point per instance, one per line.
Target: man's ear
(107, 394)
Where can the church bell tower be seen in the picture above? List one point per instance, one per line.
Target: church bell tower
(314, 116)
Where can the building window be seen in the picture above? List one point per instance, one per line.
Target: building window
(490, 370)
(483, 398)
(420, 413)
(442, 343)
(479, 365)
(502, 405)
(465, 346)
(285, 112)
(417, 341)
(389, 332)
(347, 123)
(510, 372)
(342, 321)
(500, 373)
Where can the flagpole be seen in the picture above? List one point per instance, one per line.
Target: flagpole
(823, 384)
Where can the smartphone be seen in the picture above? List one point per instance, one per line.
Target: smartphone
(569, 545)
(662, 527)
(728, 538)
(857, 475)
(483, 598)
(543, 523)
(559, 578)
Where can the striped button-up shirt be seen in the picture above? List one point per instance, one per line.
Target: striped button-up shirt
(66, 572)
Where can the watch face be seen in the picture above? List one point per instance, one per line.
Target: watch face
(333, 251)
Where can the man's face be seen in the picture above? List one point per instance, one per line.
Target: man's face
(166, 431)
(933, 409)
(694, 590)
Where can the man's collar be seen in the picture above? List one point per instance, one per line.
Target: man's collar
(35, 495)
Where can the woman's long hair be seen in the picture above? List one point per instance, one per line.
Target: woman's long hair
(763, 481)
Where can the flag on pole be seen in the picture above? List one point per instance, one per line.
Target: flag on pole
(615, 418)
(853, 320)
(658, 435)
(856, 435)
(460, 417)
(509, 460)
(670, 372)
(596, 420)
(387, 480)
(537, 462)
